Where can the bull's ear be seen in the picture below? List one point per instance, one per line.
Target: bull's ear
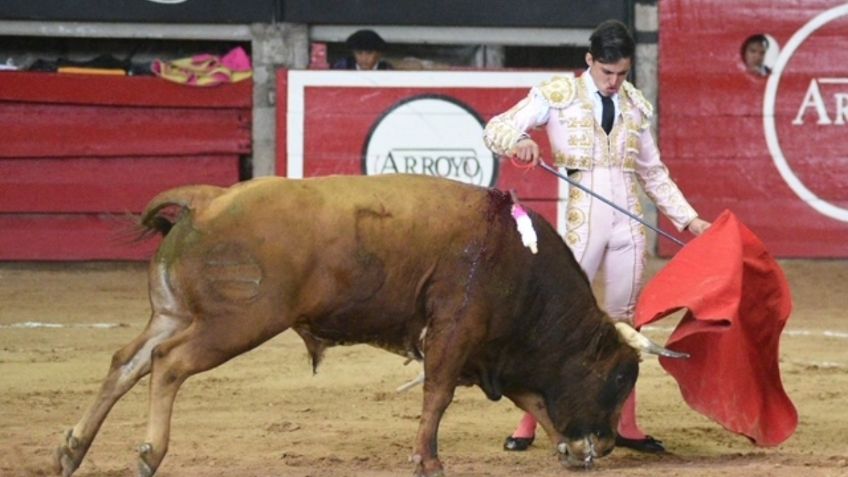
(641, 342)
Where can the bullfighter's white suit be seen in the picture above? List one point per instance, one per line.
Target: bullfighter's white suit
(610, 164)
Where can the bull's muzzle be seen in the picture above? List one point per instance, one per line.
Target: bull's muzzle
(578, 454)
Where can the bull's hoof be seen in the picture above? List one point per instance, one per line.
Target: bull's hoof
(434, 471)
(67, 456)
(63, 463)
(145, 467)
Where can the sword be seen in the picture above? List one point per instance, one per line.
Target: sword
(609, 202)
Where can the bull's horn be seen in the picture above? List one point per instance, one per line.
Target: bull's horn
(641, 342)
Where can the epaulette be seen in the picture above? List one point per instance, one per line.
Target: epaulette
(560, 91)
(638, 99)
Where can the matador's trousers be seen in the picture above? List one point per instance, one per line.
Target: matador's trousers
(604, 239)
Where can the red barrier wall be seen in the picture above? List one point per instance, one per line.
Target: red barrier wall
(769, 148)
(81, 153)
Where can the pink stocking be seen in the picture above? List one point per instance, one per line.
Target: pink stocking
(526, 428)
(627, 426)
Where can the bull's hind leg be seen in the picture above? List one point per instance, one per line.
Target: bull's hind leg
(129, 364)
(200, 347)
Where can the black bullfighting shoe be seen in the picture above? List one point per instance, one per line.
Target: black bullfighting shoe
(517, 443)
(648, 444)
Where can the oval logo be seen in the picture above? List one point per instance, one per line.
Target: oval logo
(805, 113)
(431, 135)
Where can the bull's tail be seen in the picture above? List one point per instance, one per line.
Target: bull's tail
(167, 207)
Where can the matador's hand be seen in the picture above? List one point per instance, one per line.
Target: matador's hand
(526, 151)
(698, 226)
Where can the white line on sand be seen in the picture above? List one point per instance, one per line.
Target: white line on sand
(37, 324)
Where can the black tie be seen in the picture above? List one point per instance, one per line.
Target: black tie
(607, 113)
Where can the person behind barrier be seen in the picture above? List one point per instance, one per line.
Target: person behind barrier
(367, 48)
(754, 55)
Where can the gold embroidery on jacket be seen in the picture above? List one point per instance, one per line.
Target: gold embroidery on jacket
(638, 99)
(580, 140)
(584, 123)
(576, 218)
(559, 91)
(562, 159)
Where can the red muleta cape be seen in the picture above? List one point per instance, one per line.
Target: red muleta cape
(737, 302)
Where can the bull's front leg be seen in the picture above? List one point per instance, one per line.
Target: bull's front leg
(437, 397)
(445, 353)
(453, 331)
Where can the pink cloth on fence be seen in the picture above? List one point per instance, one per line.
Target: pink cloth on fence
(206, 69)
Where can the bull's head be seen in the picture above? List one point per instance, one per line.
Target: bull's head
(585, 403)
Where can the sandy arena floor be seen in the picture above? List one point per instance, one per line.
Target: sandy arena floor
(265, 414)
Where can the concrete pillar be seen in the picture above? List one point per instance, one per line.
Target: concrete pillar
(646, 19)
(280, 45)
(489, 57)
(647, 33)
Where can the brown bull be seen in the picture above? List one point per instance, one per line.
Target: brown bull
(425, 268)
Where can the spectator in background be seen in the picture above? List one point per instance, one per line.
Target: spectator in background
(367, 48)
(754, 55)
